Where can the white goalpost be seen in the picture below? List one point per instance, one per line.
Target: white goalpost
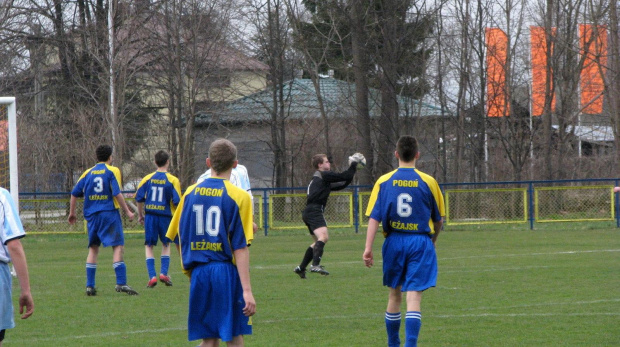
(8, 147)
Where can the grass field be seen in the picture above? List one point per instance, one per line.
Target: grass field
(497, 287)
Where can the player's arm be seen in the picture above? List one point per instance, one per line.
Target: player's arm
(437, 227)
(121, 201)
(339, 180)
(18, 258)
(242, 258)
(140, 212)
(371, 232)
(72, 202)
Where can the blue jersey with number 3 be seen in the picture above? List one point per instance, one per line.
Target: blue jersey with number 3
(99, 185)
(213, 219)
(407, 201)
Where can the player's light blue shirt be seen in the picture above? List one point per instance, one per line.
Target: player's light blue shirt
(406, 200)
(11, 224)
(99, 185)
(213, 219)
(160, 192)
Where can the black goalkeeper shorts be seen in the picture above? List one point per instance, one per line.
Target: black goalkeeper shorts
(313, 217)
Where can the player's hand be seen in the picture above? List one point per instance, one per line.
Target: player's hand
(130, 215)
(72, 219)
(141, 220)
(25, 301)
(254, 227)
(359, 159)
(368, 258)
(250, 304)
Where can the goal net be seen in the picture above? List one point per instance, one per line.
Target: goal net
(8, 147)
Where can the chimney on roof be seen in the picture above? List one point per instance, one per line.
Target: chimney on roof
(299, 73)
(330, 73)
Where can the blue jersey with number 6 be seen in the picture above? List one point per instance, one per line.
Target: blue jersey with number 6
(407, 201)
(99, 185)
(213, 219)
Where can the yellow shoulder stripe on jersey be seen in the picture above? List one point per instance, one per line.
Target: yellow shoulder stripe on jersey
(243, 200)
(375, 191)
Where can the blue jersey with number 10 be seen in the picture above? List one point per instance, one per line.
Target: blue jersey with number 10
(213, 219)
(407, 201)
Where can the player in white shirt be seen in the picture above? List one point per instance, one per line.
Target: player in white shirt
(240, 178)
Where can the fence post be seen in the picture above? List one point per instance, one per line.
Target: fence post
(530, 199)
(617, 209)
(265, 212)
(356, 217)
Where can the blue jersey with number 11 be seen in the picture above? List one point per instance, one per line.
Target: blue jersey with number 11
(160, 192)
(407, 201)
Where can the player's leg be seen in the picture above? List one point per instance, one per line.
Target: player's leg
(91, 269)
(413, 320)
(165, 263)
(210, 343)
(2, 332)
(393, 316)
(121, 271)
(301, 269)
(151, 234)
(321, 239)
(150, 266)
(162, 227)
(237, 341)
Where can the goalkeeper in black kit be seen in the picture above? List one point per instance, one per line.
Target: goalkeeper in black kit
(323, 182)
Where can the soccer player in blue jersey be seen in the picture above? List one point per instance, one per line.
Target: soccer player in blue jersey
(214, 224)
(157, 196)
(11, 250)
(100, 187)
(409, 205)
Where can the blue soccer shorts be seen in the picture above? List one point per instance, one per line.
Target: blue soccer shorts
(105, 228)
(6, 299)
(216, 303)
(155, 228)
(410, 261)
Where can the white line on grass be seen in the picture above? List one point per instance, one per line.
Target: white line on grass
(530, 254)
(107, 334)
(378, 261)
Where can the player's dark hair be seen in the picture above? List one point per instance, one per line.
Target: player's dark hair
(222, 155)
(161, 158)
(407, 148)
(318, 159)
(103, 153)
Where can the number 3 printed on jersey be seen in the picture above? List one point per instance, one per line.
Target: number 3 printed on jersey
(211, 220)
(98, 184)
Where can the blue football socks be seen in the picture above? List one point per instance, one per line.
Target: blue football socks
(165, 262)
(121, 272)
(413, 322)
(91, 271)
(150, 267)
(392, 325)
